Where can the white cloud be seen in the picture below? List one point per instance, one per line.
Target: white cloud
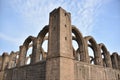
(12, 40)
(86, 14)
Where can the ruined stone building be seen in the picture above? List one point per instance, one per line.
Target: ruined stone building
(61, 61)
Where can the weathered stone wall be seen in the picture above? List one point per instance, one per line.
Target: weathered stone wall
(1, 75)
(84, 71)
(27, 72)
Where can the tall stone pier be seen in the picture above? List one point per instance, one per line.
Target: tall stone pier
(60, 52)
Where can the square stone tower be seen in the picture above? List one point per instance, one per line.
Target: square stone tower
(59, 64)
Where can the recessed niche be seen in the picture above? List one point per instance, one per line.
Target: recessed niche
(65, 38)
(54, 16)
(65, 14)
(65, 25)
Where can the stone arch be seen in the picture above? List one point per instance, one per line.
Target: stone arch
(42, 33)
(37, 45)
(27, 41)
(93, 45)
(23, 50)
(80, 40)
(106, 55)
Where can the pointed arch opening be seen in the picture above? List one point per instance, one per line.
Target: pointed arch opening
(106, 56)
(91, 43)
(24, 50)
(38, 50)
(79, 53)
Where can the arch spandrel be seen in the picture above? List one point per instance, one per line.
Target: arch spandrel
(106, 55)
(93, 45)
(80, 40)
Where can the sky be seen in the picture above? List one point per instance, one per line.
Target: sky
(21, 18)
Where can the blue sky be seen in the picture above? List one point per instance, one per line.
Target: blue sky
(21, 18)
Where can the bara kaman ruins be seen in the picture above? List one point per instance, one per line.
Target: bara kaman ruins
(61, 61)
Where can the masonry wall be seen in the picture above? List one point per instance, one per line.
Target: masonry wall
(1, 75)
(27, 72)
(84, 71)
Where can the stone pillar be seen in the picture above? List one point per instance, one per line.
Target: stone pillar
(0, 62)
(119, 62)
(10, 64)
(5, 61)
(22, 55)
(108, 60)
(35, 52)
(59, 63)
(98, 58)
(114, 60)
(86, 50)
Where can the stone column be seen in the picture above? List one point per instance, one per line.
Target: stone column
(108, 60)
(5, 61)
(119, 62)
(86, 50)
(10, 64)
(22, 55)
(114, 60)
(59, 63)
(35, 52)
(99, 57)
(0, 62)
